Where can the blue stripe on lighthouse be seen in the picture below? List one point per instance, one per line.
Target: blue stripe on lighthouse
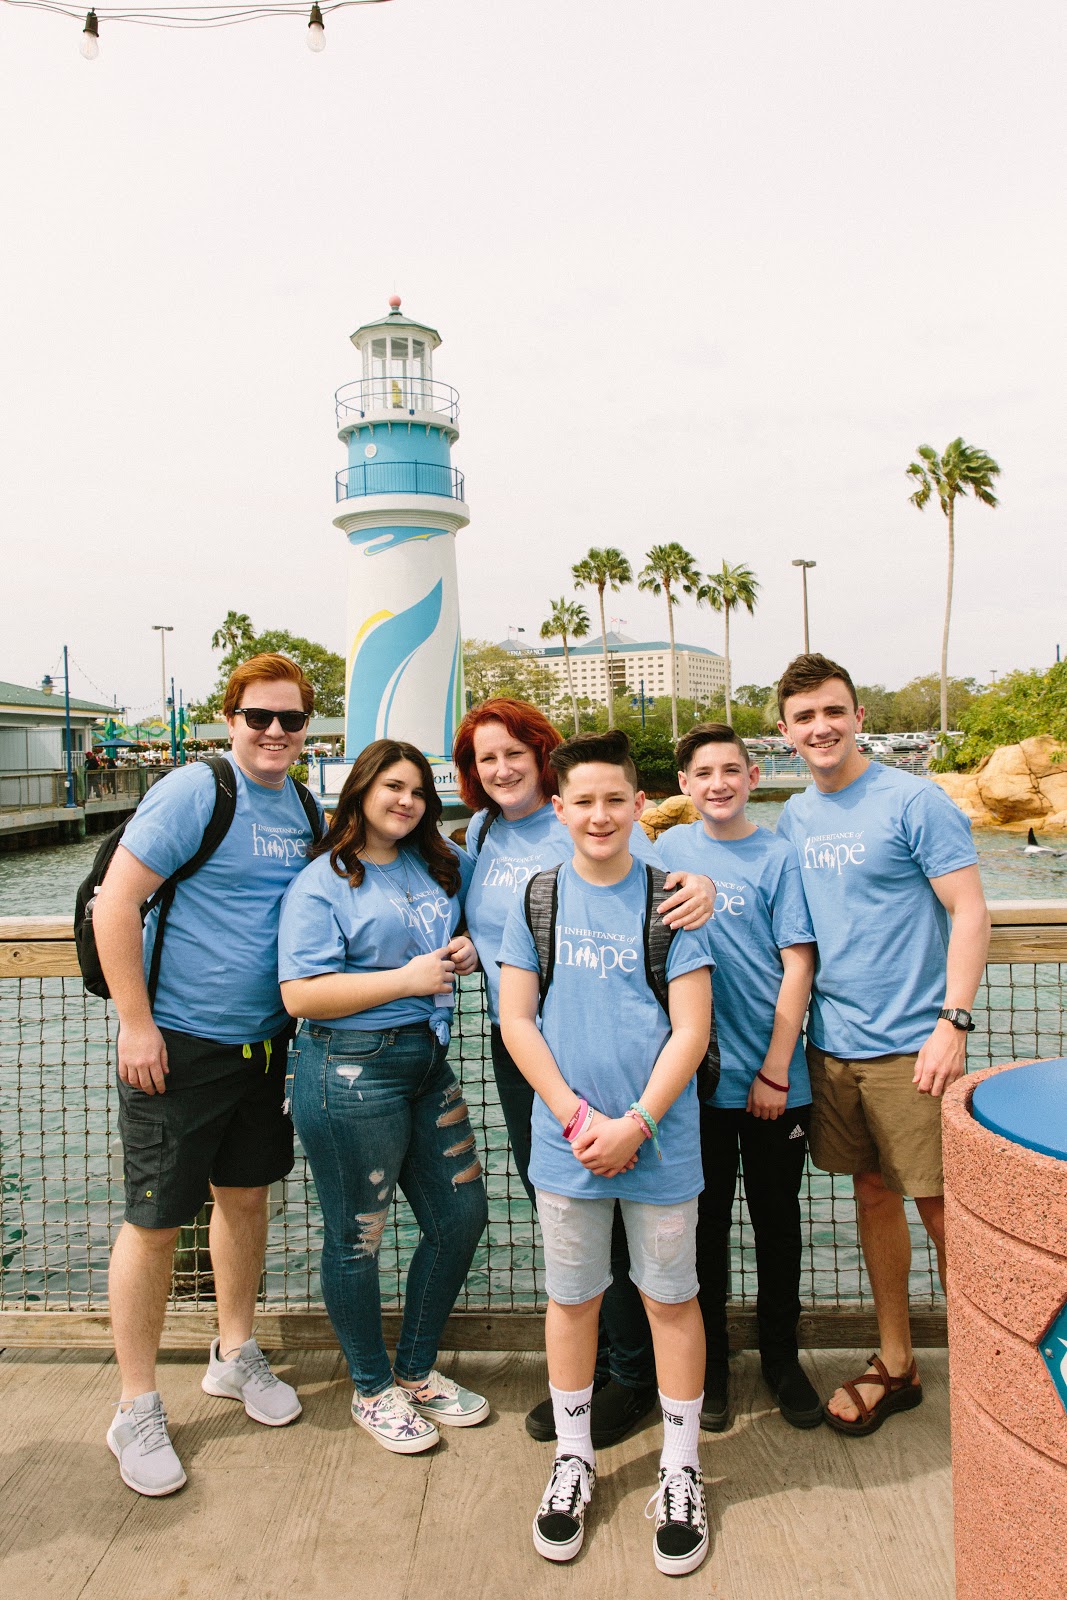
(450, 704)
(379, 665)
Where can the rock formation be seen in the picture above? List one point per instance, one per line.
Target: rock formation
(1019, 786)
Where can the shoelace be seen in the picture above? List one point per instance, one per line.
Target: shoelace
(435, 1386)
(391, 1404)
(150, 1428)
(678, 1495)
(570, 1482)
(257, 1368)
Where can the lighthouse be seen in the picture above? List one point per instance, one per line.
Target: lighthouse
(400, 502)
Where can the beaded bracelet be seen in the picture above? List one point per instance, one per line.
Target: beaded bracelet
(649, 1123)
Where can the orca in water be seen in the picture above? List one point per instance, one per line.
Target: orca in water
(1033, 848)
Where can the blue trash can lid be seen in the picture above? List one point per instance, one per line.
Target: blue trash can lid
(1027, 1105)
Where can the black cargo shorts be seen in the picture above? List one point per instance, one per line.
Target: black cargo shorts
(220, 1120)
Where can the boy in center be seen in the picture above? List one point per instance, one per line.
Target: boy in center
(615, 1119)
(764, 949)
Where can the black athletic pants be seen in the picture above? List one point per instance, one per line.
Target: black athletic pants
(772, 1157)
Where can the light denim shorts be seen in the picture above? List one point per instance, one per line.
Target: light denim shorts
(577, 1241)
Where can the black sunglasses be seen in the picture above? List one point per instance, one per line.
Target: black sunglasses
(259, 720)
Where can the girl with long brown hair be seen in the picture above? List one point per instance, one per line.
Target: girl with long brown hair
(368, 954)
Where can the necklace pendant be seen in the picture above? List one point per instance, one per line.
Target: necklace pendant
(411, 897)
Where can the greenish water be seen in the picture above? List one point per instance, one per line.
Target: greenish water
(43, 882)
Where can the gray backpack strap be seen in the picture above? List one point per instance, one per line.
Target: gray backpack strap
(658, 939)
(540, 904)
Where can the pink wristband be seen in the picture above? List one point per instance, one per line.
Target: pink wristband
(577, 1122)
(641, 1123)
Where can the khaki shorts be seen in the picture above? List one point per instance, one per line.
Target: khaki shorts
(867, 1116)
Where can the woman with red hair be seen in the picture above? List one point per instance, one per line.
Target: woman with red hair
(501, 753)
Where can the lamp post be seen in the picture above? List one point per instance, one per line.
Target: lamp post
(163, 628)
(66, 717)
(804, 565)
(173, 731)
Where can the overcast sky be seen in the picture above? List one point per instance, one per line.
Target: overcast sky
(703, 272)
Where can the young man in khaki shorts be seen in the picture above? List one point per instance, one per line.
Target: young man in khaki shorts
(886, 861)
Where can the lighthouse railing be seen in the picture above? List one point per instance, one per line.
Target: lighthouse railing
(61, 1172)
(399, 477)
(406, 394)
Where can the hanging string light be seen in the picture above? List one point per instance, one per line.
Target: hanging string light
(91, 38)
(193, 16)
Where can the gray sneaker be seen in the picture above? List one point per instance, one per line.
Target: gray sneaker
(249, 1379)
(139, 1440)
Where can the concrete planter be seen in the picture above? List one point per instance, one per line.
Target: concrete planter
(1006, 1225)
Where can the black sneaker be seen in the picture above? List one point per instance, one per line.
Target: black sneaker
(795, 1397)
(541, 1422)
(617, 1411)
(559, 1526)
(680, 1542)
(715, 1409)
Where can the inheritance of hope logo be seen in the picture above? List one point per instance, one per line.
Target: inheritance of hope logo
(1054, 1351)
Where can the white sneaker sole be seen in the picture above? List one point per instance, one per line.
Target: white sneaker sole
(457, 1419)
(209, 1386)
(399, 1447)
(558, 1552)
(678, 1566)
(143, 1488)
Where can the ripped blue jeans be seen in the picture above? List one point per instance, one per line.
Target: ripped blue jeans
(377, 1112)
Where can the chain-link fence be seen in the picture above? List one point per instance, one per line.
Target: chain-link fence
(61, 1187)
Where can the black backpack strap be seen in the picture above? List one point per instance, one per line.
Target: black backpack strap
(540, 904)
(218, 826)
(473, 850)
(311, 809)
(658, 938)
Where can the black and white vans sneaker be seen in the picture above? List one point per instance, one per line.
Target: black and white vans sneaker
(680, 1542)
(559, 1526)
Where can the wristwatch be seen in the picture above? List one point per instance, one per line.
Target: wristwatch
(958, 1017)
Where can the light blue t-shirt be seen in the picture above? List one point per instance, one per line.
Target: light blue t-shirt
(505, 859)
(218, 978)
(759, 910)
(397, 912)
(606, 1029)
(866, 855)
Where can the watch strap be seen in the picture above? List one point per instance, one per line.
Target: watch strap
(954, 1014)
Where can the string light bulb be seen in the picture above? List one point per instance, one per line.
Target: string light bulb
(316, 30)
(91, 37)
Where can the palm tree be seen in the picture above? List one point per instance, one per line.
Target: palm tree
(670, 567)
(601, 569)
(567, 619)
(729, 587)
(236, 630)
(961, 467)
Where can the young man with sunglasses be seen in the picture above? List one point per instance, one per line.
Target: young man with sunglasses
(201, 1067)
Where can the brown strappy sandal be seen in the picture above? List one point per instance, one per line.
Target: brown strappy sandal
(899, 1394)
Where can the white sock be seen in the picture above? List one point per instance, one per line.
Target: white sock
(681, 1430)
(572, 1411)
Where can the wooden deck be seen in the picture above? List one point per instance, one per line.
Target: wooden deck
(317, 1511)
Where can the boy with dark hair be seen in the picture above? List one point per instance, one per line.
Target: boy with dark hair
(764, 951)
(614, 1120)
(886, 860)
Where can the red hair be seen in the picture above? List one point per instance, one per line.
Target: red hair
(266, 669)
(526, 724)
